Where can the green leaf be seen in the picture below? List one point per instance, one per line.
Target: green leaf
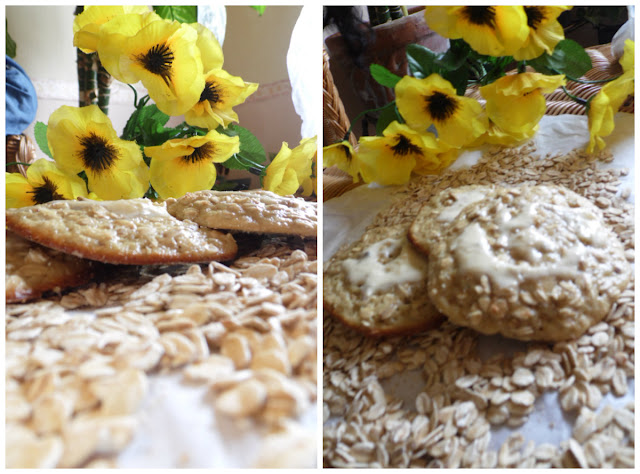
(146, 126)
(11, 45)
(387, 115)
(251, 153)
(458, 78)
(455, 57)
(40, 132)
(568, 58)
(259, 8)
(422, 61)
(183, 13)
(383, 76)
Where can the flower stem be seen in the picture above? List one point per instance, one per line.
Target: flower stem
(11, 163)
(584, 81)
(135, 96)
(252, 165)
(579, 100)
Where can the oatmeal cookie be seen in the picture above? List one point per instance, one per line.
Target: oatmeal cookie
(257, 211)
(531, 263)
(378, 285)
(32, 270)
(129, 231)
(436, 215)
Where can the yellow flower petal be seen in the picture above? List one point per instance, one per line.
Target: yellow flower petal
(19, 192)
(545, 32)
(342, 156)
(303, 158)
(497, 136)
(175, 178)
(219, 95)
(433, 100)
(490, 30)
(210, 49)
(279, 177)
(627, 59)
(603, 108)
(515, 102)
(437, 156)
(86, 25)
(184, 165)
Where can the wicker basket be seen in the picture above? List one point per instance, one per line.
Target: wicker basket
(22, 149)
(337, 182)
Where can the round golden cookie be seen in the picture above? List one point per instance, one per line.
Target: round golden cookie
(32, 270)
(256, 210)
(128, 231)
(378, 285)
(530, 263)
(438, 213)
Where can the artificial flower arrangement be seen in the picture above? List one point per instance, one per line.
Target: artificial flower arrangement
(181, 66)
(430, 121)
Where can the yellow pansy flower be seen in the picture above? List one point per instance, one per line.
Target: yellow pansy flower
(422, 102)
(83, 139)
(515, 103)
(391, 158)
(492, 30)
(86, 25)
(44, 182)
(184, 165)
(342, 156)
(221, 92)
(291, 169)
(545, 32)
(164, 56)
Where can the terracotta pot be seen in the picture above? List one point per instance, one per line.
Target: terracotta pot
(357, 88)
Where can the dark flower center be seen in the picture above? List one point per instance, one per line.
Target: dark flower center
(404, 147)
(97, 153)
(158, 61)
(480, 15)
(211, 93)
(347, 153)
(535, 16)
(202, 153)
(46, 192)
(441, 106)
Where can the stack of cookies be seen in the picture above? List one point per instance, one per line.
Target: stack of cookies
(529, 262)
(61, 244)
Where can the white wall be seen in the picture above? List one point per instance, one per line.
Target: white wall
(255, 48)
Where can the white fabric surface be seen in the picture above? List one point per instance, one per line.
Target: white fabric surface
(178, 428)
